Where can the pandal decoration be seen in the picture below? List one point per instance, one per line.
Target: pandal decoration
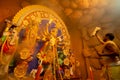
(36, 22)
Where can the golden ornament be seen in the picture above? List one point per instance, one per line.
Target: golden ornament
(66, 61)
(20, 69)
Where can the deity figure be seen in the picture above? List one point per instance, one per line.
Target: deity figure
(8, 47)
(48, 53)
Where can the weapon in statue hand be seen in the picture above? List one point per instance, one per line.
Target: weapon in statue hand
(37, 77)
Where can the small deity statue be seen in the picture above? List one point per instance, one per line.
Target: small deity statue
(8, 48)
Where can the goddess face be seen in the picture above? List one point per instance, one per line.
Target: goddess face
(54, 32)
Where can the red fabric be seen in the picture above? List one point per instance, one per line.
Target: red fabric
(7, 49)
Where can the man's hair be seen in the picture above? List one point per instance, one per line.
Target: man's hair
(110, 36)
